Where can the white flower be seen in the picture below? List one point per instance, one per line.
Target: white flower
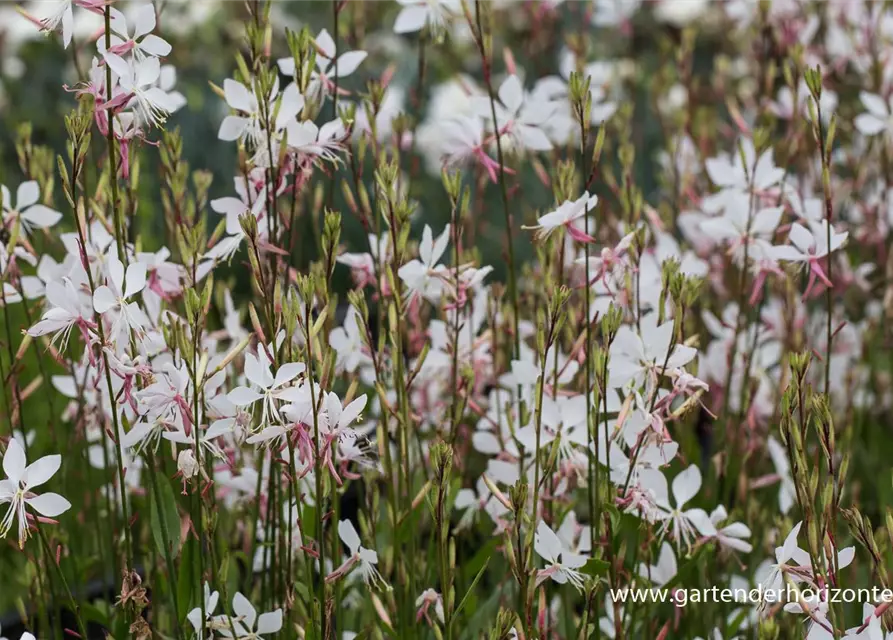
(140, 78)
(195, 616)
(187, 464)
(787, 492)
(314, 143)
(142, 42)
(634, 356)
(67, 308)
(244, 620)
(734, 535)
(809, 247)
(562, 564)
(611, 13)
(565, 215)
(683, 524)
(739, 226)
(665, 569)
(879, 115)
(249, 127)
(329, 66)
(739, 175)
(416, 14)
(426, 599)
(32, 215)
(420, 276)
(233, 208)
(17, 489)
(113, 300)
(365, 558)
(347, 341)
(519, 115)
(815, 607)
(258, 372)
(783, 554)
(680, 14)
(61, 14)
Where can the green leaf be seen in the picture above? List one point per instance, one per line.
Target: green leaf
(595, 567)
(165, 519)
(470, 589)
(480, 558)
(186, 579)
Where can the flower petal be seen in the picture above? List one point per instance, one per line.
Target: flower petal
(49, 504)
(104, 299)
(14, 462)
(269, 622)
(42, 470)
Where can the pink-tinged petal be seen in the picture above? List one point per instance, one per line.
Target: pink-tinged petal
(290, 106)
(546, 543)
(737, 530)
(269, 622)
(766, 173)
(47, 325)
(686, 485)
(511, 93)
(232, 128)
(148, 71)
(67, 26)
(738, 545)
(787, 252)
(286, 66)
(42, 470)
(845, 557)
(875, 104)
(801, 238)
(266, 435)
(136, 434)
(352, 411)
(104, 299)
(349, 536)
(117, 64)
(288, 372)
(326, 44)
(14, 462)
(143, 21)
(136, 279)
(721, 172)
(118, 22)
(116, 272)
(41, 216)
(869, 124)
(410, 19)
(237, 96)
(229, 206)
(243, 396)
(701, 521)
(534, 139)
(49, 504)
(155, 46)
(349, 62)
(217, 429)
(786, 551)
(7, 490)
(244, 610)
(27, 194)
(766, 221)
(256, 372)
(682, 355)
(486, 443)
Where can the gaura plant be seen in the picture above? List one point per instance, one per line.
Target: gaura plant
(523, 320)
